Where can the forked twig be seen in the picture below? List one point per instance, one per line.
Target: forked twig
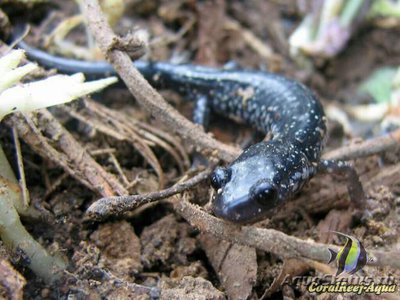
(149, 98)
(116, 206)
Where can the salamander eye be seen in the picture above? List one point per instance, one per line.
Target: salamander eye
(219, 177)
(265, 194)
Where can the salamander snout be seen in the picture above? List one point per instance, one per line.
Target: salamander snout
(259, 180)
(244, 195)
(246, 208)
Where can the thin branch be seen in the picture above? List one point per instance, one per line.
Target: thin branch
(20, 162)
(270, 240)
(366, 148)
(148, 97)
(116, 206)
(64, 150)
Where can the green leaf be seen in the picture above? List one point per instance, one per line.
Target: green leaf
(379, 84)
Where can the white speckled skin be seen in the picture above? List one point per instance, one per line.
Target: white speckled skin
(270, 103)
(266, 173)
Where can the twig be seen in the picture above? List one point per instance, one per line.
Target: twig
(71, 156)
(253, 41)
(270, 240)
(54, 185)
(21, 170)
(164, 41)
(102, 151)
(149, 99)
(366, 148)
(115, 206)
(115, 128)
(117, 166)
(124, 123)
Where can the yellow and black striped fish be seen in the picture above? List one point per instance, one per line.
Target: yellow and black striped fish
(351, 258)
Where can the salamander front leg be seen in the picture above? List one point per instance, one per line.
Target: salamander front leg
(201, 111)
(354, 186)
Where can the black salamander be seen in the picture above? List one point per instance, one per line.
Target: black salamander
(266, 173)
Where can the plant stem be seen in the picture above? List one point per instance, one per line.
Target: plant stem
(14, 234)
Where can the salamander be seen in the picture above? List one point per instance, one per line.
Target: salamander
(266, 173)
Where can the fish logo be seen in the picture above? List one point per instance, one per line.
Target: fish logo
(351, 258)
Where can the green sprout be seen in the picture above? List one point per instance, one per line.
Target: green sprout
(27, 97)
(385, 8)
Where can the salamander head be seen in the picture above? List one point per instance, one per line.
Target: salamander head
(261, 178)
